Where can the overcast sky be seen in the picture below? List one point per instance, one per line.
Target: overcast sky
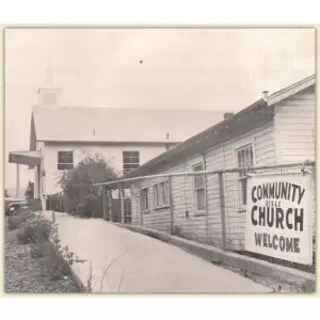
(218, 69)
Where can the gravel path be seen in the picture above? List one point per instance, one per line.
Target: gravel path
(26, 274)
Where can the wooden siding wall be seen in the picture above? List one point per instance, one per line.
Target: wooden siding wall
(189, 222)
(295, 121)
(295, 127)
(223, 157)
(158, 219)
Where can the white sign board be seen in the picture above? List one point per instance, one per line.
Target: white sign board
(279, 216)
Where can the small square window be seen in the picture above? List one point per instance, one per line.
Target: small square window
(161, 194)
(131, 161)
(65, 160)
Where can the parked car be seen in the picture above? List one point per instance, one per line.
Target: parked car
(13, 205)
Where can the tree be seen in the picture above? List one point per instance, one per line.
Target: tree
(6, 193)
(81, 198)
(29, 193)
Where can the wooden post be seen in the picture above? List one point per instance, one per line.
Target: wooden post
(171, 205)
(35, 186)
(37, 182)
(140, 209)
(104, 202)
(110, 205)
(206, 198)
(121, 195)
(43, 195)
(18, 181)
(131, 205)
(106, 193)
(222, 210)
(60, 198)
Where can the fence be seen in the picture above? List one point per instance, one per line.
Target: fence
(208, 207)
(59, 203)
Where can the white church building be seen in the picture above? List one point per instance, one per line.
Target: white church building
(61, 136)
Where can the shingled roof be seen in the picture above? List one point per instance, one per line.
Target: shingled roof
(250, 118)
(85, 124)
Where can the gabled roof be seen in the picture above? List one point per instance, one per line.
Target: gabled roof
(83, 124)
(289, 91)
(250, 118)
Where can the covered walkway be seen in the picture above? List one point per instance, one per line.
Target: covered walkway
(33, 160)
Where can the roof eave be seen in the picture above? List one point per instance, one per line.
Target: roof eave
(219, 133)
(113, 142)
(272, 101)
(291, 90)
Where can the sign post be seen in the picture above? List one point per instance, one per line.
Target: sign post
(279, 211)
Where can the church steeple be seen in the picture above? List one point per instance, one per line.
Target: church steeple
(49, 95)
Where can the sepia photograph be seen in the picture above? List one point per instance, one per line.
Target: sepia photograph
(160, 160)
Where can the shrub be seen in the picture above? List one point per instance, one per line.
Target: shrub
(38, 250)
(56, 202)
(14, 222)
(57, 267)
(34, 204)
(26, 215)
(29, 193)
(80, 197)
(37, 233)
(35, 230)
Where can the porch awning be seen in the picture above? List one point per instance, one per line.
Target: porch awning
(30, 158)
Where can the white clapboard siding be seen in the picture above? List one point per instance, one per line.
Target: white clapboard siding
(289, 138)
(314, 204)
(223, 157)
(154, 218)
(192, 224)
(295, 132)
(135, 204)
(295, 127)
(264, 147)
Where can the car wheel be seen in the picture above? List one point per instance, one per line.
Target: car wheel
(12, 211)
